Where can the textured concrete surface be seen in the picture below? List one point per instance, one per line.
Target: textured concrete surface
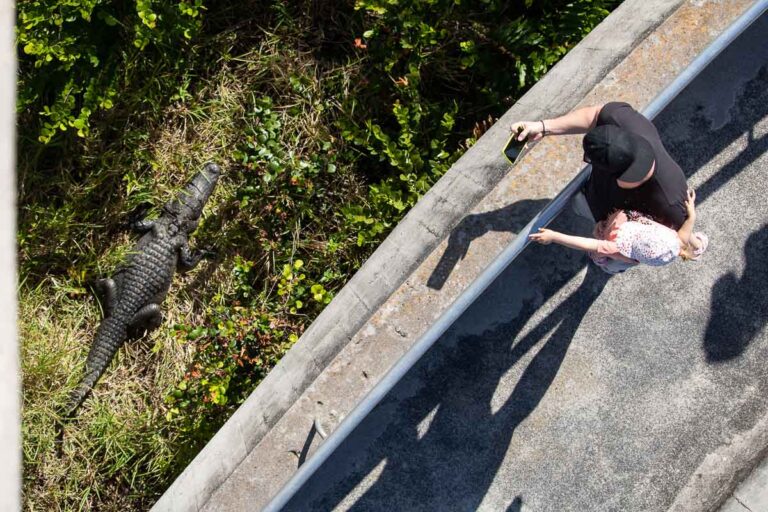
(426, 225)
(564, 389)
(752, 494)
(477, 239)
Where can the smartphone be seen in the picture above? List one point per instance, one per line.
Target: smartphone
(514, 147)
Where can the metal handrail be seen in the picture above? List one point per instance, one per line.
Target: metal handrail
(478, 286)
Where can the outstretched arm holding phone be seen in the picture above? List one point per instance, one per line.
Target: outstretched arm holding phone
(579, 121)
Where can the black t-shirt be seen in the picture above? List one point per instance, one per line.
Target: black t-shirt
(662, 197)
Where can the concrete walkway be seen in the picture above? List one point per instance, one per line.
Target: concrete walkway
(564, 389)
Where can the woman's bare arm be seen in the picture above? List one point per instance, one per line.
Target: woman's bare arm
(547, 236)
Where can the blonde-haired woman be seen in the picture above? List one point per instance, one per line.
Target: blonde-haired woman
(628, 238)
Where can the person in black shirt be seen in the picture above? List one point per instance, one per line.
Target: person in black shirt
(631, 169)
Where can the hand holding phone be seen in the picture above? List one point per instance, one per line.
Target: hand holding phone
(514, 147)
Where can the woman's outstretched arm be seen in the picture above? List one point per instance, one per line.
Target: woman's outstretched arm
(547, 236)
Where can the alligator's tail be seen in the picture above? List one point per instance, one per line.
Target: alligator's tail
(109, 338)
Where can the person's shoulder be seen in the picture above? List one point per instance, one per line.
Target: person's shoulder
(612, 106)
(615, 112)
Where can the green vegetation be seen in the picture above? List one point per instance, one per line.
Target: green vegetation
(330, 120)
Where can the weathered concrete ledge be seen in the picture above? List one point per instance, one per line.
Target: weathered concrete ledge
(380, 287)
(720, 472)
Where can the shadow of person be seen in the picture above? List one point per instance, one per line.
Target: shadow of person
(452, 464)
(511, 218)
(739, 305)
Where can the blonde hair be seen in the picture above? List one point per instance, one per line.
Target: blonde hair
(686, 252)
(693, 250)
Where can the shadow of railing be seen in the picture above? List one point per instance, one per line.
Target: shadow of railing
(468, 435)
(703, 143)
(732, 324)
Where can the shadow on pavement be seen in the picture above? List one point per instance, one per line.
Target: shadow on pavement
(702, 143)
(511, 218)
(754, 150)
(437, 432)
(516, 505)
(733, 323)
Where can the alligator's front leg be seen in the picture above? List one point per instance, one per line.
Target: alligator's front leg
(106, 292)
(188, 258)
(142, 226)
(148, 318)
(136, 220)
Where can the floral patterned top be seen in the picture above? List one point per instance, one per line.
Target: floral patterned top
(634, 238)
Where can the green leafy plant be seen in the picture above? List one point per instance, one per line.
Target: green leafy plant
(71, 64)
(417, 49)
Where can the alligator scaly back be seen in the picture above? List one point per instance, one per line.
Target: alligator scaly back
(132, 298)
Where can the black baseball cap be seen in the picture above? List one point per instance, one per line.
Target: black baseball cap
(623, 153)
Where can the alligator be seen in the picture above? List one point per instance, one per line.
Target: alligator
(131, 298)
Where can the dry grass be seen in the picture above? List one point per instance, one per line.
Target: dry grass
(120, 445)
(55, 330)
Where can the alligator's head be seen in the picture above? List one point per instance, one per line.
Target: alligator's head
(185, 209)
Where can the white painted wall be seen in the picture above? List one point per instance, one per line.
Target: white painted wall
(10, 449)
